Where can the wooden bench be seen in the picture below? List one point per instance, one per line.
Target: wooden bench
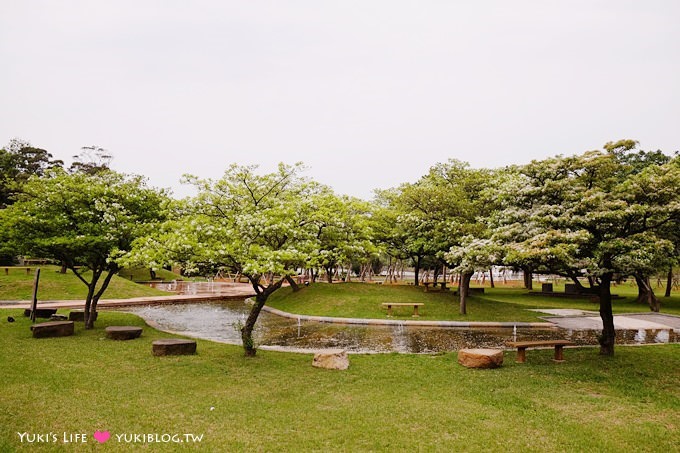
(7, 268)
(415, 306)
(523, 345)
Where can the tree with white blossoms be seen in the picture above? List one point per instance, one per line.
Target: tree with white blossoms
(473, 254)
(87, 222)
(578, 214)
(343, 232)
(262, 226)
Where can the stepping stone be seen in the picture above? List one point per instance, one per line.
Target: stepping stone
(332, 359)
(41, 312)
(173, 346)
(123, 332)
(79, 315)
(53, 329)
(480, 358)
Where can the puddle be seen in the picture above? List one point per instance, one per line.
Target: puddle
(220, 321)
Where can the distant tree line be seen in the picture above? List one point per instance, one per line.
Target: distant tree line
(594, 218)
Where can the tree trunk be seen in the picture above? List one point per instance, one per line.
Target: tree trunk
(608, 336)
(416, 270)
(528, 278)
(293, 285)
(582, 289)
(646, 293)
(247, 330)
(329, 274)
(464, 290)
(249, 348)
(63, 267)
(669, 282)
(89, 322)
(491, 277)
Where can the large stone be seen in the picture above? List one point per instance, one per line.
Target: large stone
(332, 359)
(53, 329)
(41, 312)
(79, 315)
(123, 332)
(480, 358)
(173, 346)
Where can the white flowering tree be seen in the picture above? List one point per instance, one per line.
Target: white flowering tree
(473, 254)
(589, 216)
(342, 230)
(86, 222)
(263, 226)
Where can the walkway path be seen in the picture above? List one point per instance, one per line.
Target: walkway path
(234, 292)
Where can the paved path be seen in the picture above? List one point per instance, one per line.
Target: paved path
(235, 292)
(587, 320)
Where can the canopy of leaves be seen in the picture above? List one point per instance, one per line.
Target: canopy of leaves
(80, 219)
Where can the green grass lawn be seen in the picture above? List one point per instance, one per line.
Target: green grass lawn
(279, 402)
(56, 286)
(363, 300)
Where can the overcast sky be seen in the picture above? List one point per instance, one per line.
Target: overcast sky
(369, 94)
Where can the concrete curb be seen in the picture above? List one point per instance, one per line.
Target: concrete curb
(408, 322)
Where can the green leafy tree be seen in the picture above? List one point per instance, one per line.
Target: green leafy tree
(91, 160)
(262, 226)
(579, 214)
(19, 160)
(343, 232)
(85, 221)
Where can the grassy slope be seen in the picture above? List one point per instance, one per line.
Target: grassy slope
(56, 286)
(364, 300)
(278, 402)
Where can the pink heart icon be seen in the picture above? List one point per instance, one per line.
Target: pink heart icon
(102, 436)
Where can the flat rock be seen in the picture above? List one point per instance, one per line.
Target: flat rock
(53, 329)
(123, 332)
(79, 315)
(480, 358)
(332, 359)
(173, 346)
(41, 312)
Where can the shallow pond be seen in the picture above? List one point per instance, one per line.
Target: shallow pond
(220, 322)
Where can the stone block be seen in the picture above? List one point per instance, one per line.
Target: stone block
(173, 346)
(41, 312)
(79, 315)
(480, 358)
(332, 359)
(123, 332)
(53, 329)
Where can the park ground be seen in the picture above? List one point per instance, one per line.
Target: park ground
(279, 402)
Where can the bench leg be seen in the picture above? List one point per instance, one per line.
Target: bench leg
(558, 353)
(415, 311)
(521, 355)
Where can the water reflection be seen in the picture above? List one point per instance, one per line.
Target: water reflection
(220, 322)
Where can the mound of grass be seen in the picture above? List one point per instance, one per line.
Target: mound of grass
(363, 300)
(17, 285)
(279, 402)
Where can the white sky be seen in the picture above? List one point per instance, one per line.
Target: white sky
(369, 94)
